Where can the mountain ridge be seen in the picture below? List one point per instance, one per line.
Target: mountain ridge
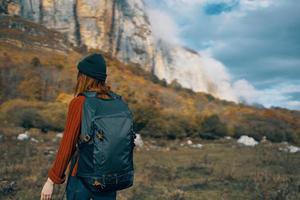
(35, 80)
(123, 30)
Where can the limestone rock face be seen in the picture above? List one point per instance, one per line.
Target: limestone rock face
(115, 26)
(122, 28)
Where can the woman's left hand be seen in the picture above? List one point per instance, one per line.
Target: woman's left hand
(47, 190)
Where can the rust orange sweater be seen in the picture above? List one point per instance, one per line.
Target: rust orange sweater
(67, 145)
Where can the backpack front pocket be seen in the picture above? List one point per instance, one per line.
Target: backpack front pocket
(85, 164)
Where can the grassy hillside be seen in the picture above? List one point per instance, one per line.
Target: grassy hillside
(38, 77)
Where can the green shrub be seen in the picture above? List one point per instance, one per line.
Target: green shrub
(176, 85)
(35, 62)
(213, 127)
(27, 118)
(55, 115)
(293, 136)
(34, 114)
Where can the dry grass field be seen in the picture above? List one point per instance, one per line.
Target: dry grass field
(165, 169)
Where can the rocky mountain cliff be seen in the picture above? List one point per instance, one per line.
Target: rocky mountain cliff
(122, 29)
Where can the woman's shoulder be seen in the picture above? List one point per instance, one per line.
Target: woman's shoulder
(77, 100)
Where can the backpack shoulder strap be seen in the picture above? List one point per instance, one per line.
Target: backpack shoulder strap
(94, 94)
(88, 94)
(115, 95)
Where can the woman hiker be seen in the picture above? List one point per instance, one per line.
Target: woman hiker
(91, 77)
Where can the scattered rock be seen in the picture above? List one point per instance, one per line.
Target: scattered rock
(34, 140)
(228, 138)
(49, 152)
(59, 135)
(138, 141)
(264, 139)
(197, 145)
(23, 136)
(167, 149)
(189, 142)
(290, 149)
(293, 149)
(247, 141)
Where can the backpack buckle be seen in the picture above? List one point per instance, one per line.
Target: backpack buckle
(85, 138)
(98, 184)
(100, 135)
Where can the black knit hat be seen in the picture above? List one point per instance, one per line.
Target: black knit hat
(94, 66)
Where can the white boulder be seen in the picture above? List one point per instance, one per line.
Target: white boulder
(247, 141)
(197, 145)
(189, 142)
(264, 139)
(228, 138)
(294, 149)
(23, 136)
(138, 140)
(59, 135)
(290, 149)
(34, 140)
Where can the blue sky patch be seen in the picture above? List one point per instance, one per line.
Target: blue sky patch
(218, 8)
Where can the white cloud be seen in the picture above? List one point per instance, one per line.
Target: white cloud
(294, 104)
(245, 91)
(255, 4)
(217, 73)
(278, 95)
(185, 5)
(163, 26)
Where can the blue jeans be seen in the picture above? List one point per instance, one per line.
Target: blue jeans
(77, 191)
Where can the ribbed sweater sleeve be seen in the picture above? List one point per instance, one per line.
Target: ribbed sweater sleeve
(67, 144)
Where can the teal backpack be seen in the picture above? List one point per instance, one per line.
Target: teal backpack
(106, 143)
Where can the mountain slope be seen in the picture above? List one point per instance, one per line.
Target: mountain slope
(38, 81)
(122, 29)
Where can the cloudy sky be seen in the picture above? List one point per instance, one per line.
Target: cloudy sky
(258, 41)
